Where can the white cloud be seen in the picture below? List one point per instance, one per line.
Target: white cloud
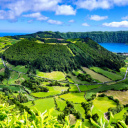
(93, 4)
(116, 24)
(18, 7)
(103, 4)
(98, 18)
(65, 10)
(7, 15)
(125, 18)
(71, 21)
(54, 22)
(85, 24)
(36, 15)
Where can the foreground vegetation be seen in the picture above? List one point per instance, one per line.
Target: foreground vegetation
(75, 97)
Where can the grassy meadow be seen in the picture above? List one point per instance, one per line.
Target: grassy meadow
(107, 74)
(55, 75)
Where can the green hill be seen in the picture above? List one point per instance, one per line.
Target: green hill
(52, 57)
(98, 36)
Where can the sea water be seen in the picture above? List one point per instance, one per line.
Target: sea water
(116, 47)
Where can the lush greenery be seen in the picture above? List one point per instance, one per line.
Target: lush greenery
(117, 37)
(45, 57)
(78, 94)
(42, 56)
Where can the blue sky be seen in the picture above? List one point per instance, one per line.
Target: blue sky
(27, 16)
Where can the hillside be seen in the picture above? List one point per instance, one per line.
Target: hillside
(98, 36)
(53, 57)
(73, 98)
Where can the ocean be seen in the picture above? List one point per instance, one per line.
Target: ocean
(11, 34)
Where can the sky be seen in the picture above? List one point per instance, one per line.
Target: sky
(28, 16)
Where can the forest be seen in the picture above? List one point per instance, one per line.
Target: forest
(98, 36)
(56, 57)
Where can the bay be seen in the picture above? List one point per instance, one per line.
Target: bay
(115, 47)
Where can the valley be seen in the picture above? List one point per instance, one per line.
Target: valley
(78, 78)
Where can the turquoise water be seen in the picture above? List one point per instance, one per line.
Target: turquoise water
(116, 47)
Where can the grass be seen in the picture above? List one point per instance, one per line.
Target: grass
(2, 71)
(73, 88)
(13, 88)
(44, 83)
(74, 97)
(95, 75)
(117, 86)
(70, 51)
(21, 78)
(13, 77)
(77, 72)
(80, 109)
(88, 87)
(52, 91)
(122, 96)
(55, 75)
(6, 42)
(61, 103)
(108, 74)
(103, 103)
(119, 116)
(41, 104)
(74, 79)
(19, 68)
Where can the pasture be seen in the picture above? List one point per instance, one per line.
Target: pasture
(108, 74)
(103, 103)
(117, 86)
(95, 75)
(122, 96)
(55, 75)
(74, 97)
(54, 90)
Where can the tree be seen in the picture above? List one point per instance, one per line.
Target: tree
(33, 102)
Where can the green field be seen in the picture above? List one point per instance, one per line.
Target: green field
(95, 75)
(21, 78)
(74, 97)
(13, 77)
(74, 79)
(103, 103)
(18, 68)
(109, 75)
(120, 95)
(117, 86)
(6, 42)
(73, 88)
(119, 115)
(56, 75)
(52, 91)
(80, 109)
(61, 103)
(123, 69)
(13, 88)
(88, 87)
(2, 71)
(77, 72)
(41, 104)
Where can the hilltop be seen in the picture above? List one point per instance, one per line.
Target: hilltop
(62, 57)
